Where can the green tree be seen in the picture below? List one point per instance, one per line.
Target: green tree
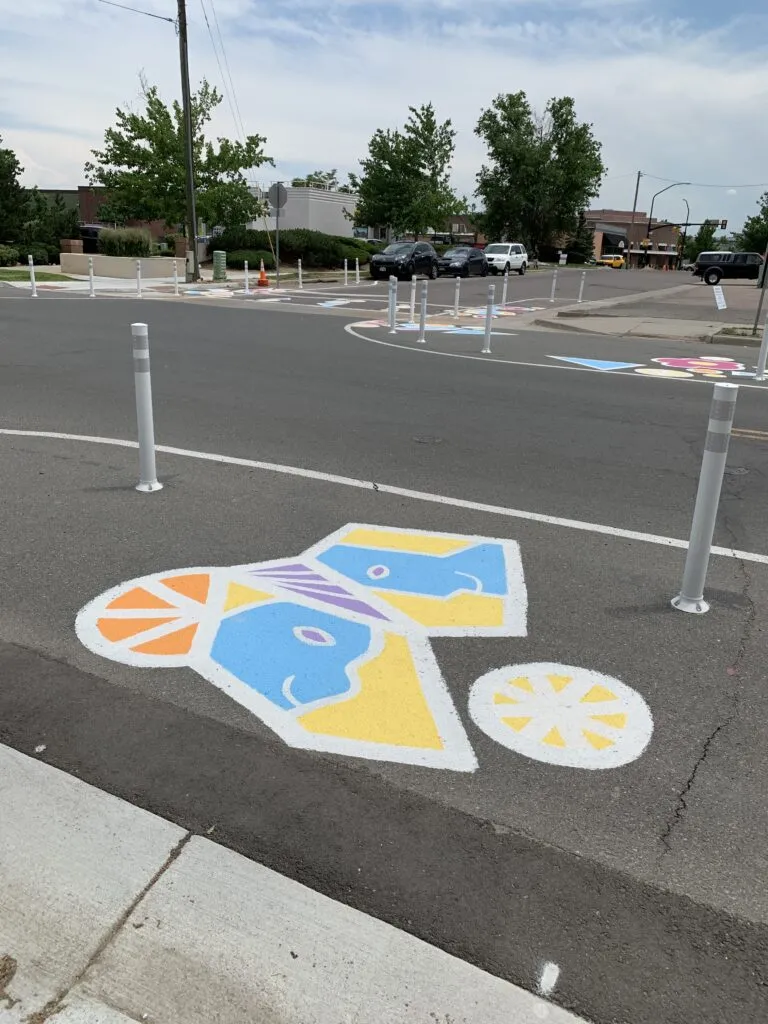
(580, 246)
(405, 180)
(541, 171)
(49, 220)
(753, 237)
(702, 241)
(143, 169)
(14, 197)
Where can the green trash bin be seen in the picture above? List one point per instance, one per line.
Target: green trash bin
(219, 266)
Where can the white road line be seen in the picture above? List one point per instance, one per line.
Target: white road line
(350, 329)
(401, 492)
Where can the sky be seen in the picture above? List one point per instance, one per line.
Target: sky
(674, 88)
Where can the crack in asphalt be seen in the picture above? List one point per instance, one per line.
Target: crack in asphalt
(681, 806)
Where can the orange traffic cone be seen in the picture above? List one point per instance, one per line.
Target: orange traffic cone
(263, 279)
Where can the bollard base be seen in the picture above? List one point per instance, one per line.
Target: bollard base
(149, 488)
(684, 604)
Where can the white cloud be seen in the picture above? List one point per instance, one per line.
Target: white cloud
(317, 77)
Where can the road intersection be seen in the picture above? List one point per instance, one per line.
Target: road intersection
(611, 824)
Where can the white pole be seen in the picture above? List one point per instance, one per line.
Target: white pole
(138, 279)
(422, 338)
(486, 349)
(146, 428)
(175, 277)
(301, 276)
(457, 297)
(761, 359)
(554, 286)
(393, 305)
(246, 289)
(32, 280)
(357, 270)
(412, 314)
(504, 289)
(91, 288)
(346, 274)
(691, 596)
(581, 286)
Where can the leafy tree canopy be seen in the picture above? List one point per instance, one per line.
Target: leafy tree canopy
(542, 171)
(142, 164)
(405, 179)
(322, 179)
(13, 196)
(753, 237)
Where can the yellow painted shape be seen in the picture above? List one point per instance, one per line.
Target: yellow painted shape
(502, 698)
(178, 642)
(617, 721)
(598, 694)
(138, 597)
(194, 585)
(422, 543)
(559, 683)
(554, 738)
(522, 683)
(238, 595)
(390, 708)
(518, 724)
(598, 742)
(121, 629)
(466, 609)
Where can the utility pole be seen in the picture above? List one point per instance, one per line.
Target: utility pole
(191, 224)
(632, 221)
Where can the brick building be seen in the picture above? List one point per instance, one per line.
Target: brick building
(615, 231)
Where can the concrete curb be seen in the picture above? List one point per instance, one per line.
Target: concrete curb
(556, 325)
(109, 915)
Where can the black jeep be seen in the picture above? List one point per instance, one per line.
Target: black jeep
(712, 267)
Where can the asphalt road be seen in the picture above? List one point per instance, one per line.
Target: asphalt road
(644, 883)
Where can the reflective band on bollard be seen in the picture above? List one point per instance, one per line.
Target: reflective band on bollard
(554, 286)
(581, 286)
(422, 338)
(486, 349)
(504, 289)
(393, 305)
(138, 279)
(412, 308)
(457, 297)
(691, 596)
(144, 419)
(761, 359)
(91, 288)
(32, 280)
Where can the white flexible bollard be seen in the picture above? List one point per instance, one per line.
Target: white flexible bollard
(301, 276)
(357, 270)
(175, 277)
(457, 297)
(581, 286)
(504, 289)
(554, 286)
(412, 305)
(246, 287)
(346, 273)
(142, 379)
(486, 349)
(422, 338)
(91, 286)
(32, 281)
(763, 356)
(393, 305)
(138, 279)
(691, 596)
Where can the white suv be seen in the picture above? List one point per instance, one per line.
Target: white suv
(503, 256)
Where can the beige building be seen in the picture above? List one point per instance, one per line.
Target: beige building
(615, 231)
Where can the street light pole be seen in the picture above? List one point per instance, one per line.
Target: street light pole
(653, 200)
(632, 221)
(191, 221)
(685, 232)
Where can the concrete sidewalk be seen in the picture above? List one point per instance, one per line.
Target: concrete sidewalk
(646, 327)
(109, 914)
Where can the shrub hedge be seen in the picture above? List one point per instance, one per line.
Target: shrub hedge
(9, 256)
(133, 242)
(38, 252)
(313, 248)
(237, 257)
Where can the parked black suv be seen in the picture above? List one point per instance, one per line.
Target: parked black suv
(403, 259)
(712, 267)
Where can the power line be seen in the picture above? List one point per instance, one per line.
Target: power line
(148, 14)
(221, 70)
(226, 65)
(699, 184)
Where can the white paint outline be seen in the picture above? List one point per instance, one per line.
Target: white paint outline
(402, 492)
(552, 707)
(349, 328)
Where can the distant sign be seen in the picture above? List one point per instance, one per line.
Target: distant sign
(720, 297)
(278, 196)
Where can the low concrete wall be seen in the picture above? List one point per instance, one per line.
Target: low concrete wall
(120, 266)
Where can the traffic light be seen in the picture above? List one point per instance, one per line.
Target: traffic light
(723, 225)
